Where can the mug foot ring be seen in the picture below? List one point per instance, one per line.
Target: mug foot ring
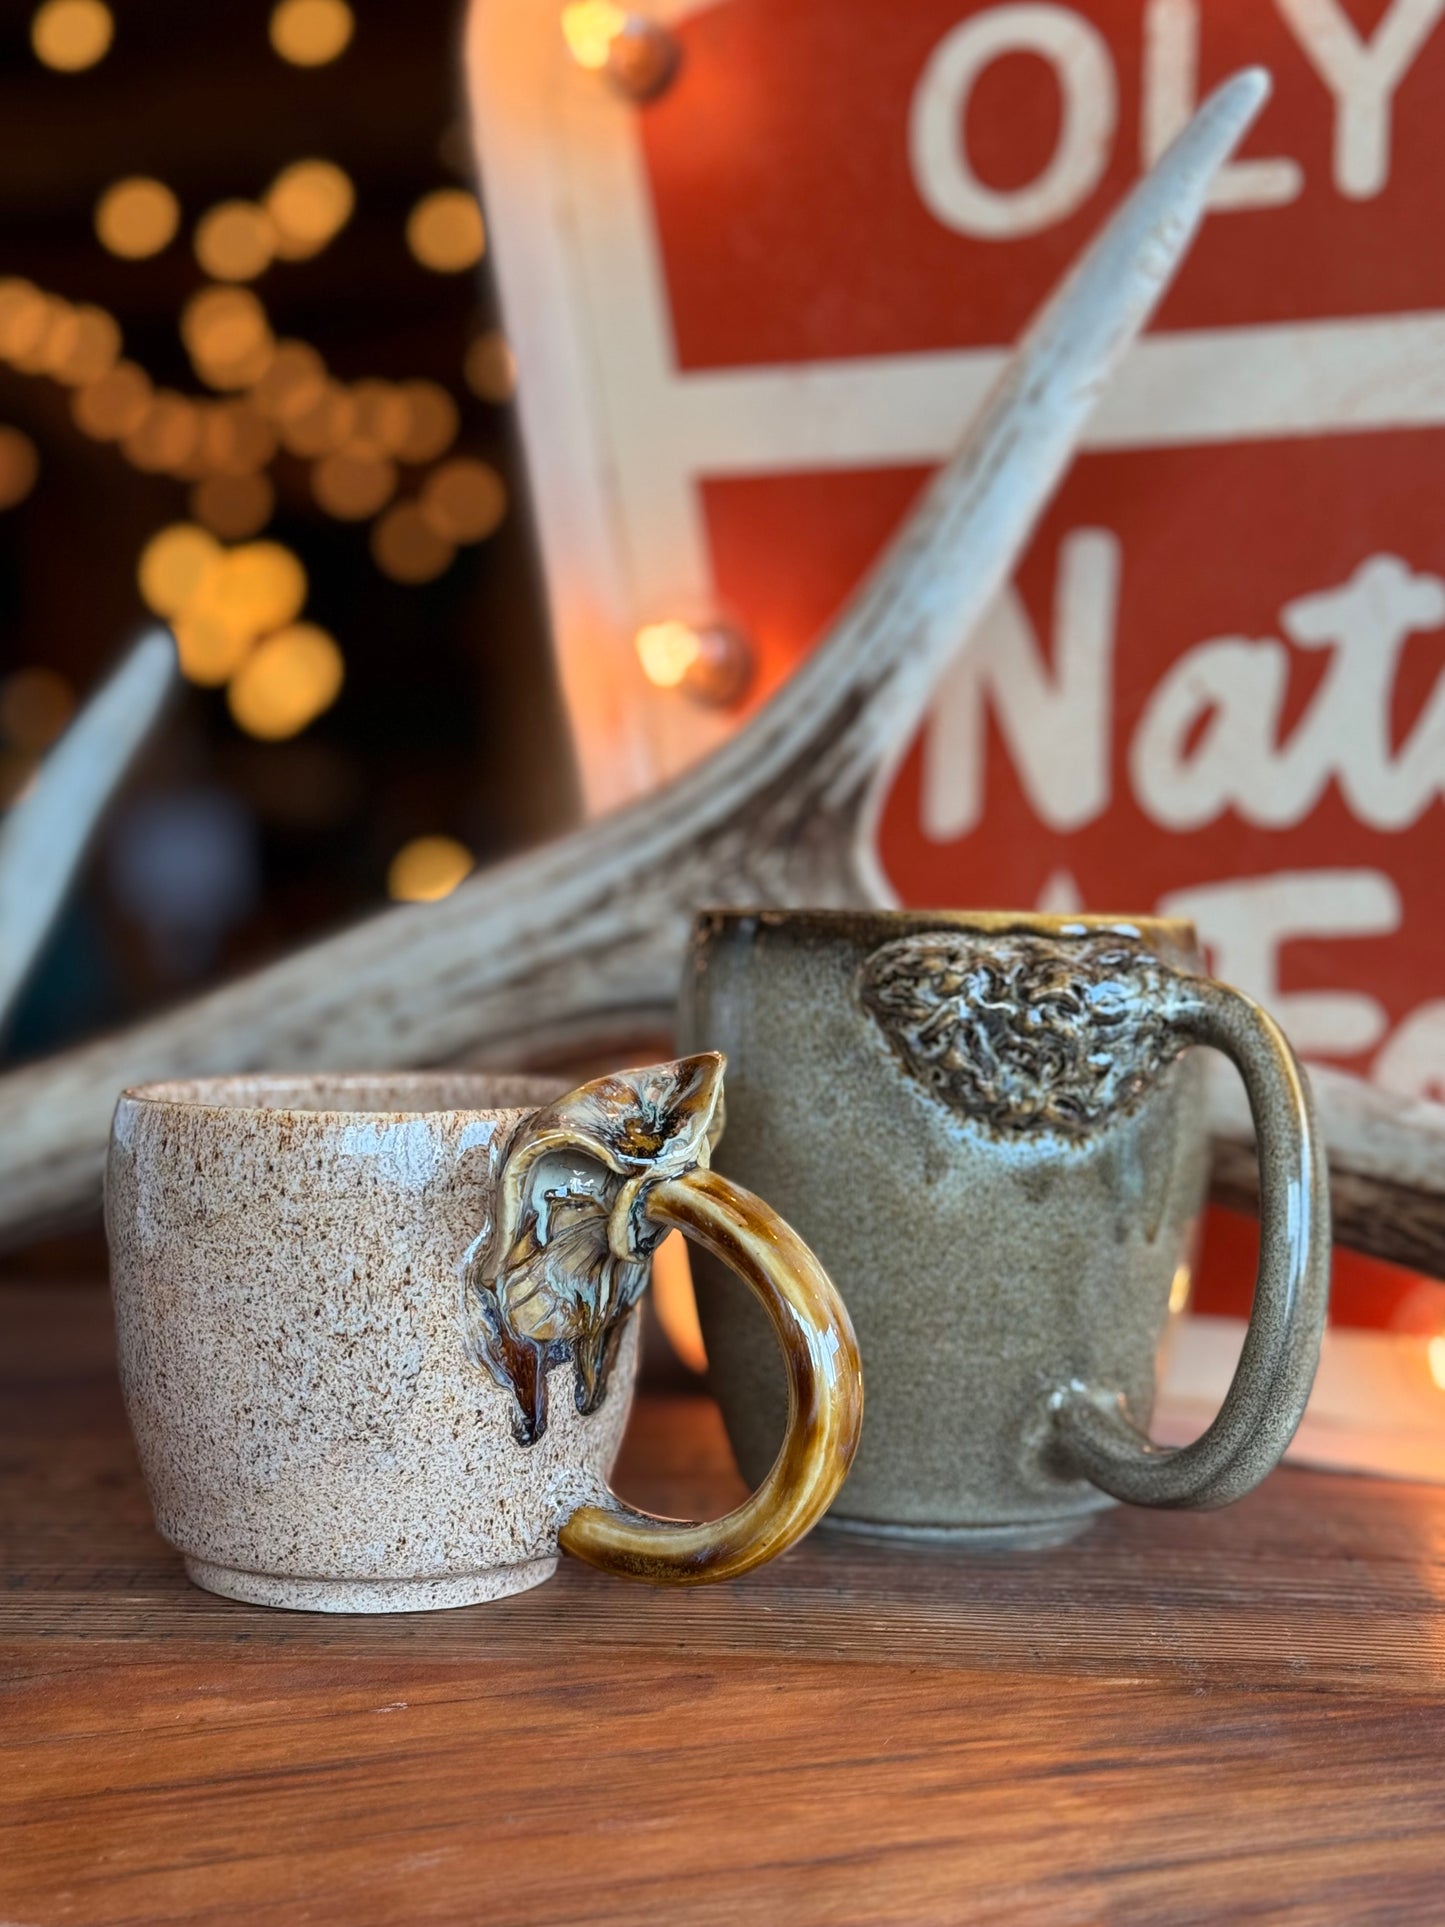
(368, 1595)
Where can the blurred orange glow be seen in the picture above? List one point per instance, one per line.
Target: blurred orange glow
(23, 314)
(208, 650)
(227, 336)
(444, 230)
(237, 439)
(672, 1294)
(137, 217)
(235, 241)
(309, 33)
(491, 367)
(590, 27)
(166, 436)
(667, 650)
(352, 485)
(254, 589)
(35, 705)
(464, 500)
(383, 416)
(173, 565)
(71, 35)
(84, 347)
(431, 422)
(309, 203)
(234, 506)
(19, 466)
(324, 424)
(286, 682)
(294, 381)
(113, 405)
(405, 546)
(427, 869)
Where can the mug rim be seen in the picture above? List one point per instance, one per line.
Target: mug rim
(517, 1091)
(1082, 923)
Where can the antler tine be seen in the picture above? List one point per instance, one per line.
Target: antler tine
(593, 926)
(45, 835)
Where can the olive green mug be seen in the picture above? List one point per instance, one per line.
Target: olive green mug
(991, 1129)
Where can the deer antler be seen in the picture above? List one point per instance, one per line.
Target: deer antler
(589, 931)
(45, 835)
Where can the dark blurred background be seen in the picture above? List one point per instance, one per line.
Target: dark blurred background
(246, 323)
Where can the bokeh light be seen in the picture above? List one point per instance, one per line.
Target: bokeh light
(35, 705)
(33, 329)
(71, 35)
(432, 422)
(405, 546)
(309, 33)
(325, 423)
(383, 415)
(237, 439)
(294, 380)
(352, 485)
(255, 588)
(137, 217)
(166, 436)
(491, 367)
(427, 869)
(589, 28)
(113, 405)
(667, 650)
(19, 466)
(234, 241)
(88, 345)
(228, 337)
(173, 565)
(286, 682)
(234, 506)
(209, 650)
(445, 232)
(22, 313)
(309, 203)
(464, 500)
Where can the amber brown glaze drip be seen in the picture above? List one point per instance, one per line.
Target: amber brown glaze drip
(825, 1401)
(571, 1250)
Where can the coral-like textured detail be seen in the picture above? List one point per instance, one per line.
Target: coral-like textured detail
(571, 1250)
(1025, 1032)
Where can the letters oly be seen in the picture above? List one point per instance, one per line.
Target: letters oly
(1361, 74)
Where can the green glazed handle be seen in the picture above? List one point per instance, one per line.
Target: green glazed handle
(1267, 1398)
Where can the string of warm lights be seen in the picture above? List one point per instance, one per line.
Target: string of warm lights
(72, 35)
(274, 395)
(236, 611)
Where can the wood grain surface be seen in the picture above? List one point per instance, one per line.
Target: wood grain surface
(1213, 1717)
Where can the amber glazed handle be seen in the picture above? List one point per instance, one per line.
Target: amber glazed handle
(825, 1401)
(1276, 1368)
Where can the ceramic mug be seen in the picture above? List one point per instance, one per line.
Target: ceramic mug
(377, 1334)
(991, 1129)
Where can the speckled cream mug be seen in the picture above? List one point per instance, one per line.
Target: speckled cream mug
(991, 1128)
(341, 1303)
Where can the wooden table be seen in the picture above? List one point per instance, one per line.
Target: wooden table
(1221, 1717)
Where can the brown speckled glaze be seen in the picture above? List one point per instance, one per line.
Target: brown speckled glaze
(295, 1264)
(990, 1127)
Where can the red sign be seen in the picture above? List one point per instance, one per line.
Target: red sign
(1217, 685)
